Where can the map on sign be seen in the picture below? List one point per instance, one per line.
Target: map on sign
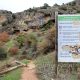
(68, 38)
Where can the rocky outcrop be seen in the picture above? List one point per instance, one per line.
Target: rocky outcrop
(33, 18)
(5, 16)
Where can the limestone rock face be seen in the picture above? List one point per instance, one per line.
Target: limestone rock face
(6, 16)
(34, 18)
(2, 19)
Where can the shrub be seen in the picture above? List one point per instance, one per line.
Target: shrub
(13, 50)
(78, 11)
(31, 41)
(63, 7)
(31, 10)
(29, 48)
(48, 42)
(73, 3)
(42, 47)
(9, 45)
(4, 36)
(45, 6)
(29, 53)
(45, 67)
(28, 43)
(3, 53)
(47, 26)
(20, 39)
(56, 5)
(32, 38)
(50, 37)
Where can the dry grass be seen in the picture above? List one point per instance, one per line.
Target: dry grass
(46, 68)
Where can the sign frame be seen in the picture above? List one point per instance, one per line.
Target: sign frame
(56, 43)
(74, 23)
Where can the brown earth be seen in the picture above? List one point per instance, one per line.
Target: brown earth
(29, 73)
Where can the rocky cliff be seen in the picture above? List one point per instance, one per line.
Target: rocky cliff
(34, 18)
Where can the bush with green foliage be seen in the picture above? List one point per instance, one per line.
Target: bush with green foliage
(29, 46)
(50, 37)
(47, 44)
(21, 39)
(32, 37)
(3, 53)
(9, 45)
(63, 7)
(42, 47)
(31, 10)
(47, 26)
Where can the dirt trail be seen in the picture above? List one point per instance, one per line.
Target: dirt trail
(29, 73)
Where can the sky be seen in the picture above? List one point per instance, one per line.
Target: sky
(21, 5)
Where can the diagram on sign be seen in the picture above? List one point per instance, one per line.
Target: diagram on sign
(74, 50)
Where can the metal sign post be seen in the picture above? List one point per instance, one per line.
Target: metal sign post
(56, 43)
